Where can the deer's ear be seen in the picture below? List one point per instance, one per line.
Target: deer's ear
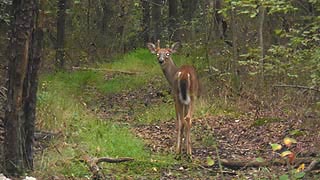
(175, 47)
(151, 47)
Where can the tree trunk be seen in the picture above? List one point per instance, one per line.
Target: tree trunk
(19, 128)
(220, 24)
(156, 18)
(60, 53)
(30, 93)
(145, 21)
(173, 16)
(107, 12)
(89, 17)
(261, 43)
(188, 9)
(234, 64)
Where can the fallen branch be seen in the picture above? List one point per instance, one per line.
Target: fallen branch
(298, 87)
(107, 70)
(92, 163)
(237, 164)
(313, 166)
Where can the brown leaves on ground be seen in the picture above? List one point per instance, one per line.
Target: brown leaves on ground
(245, 136)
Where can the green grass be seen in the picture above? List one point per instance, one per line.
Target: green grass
(156, 113)
(123, 83)
(62, 109)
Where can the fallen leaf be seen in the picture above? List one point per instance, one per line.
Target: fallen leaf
(285, 153)
(301, 167)
(288, 141)
(275, 147)
(210, 161)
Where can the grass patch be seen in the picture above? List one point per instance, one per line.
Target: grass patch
(156, 113)
(62, 109)
(123, 83)
(265, 120)
(140, 60)
(82, 133)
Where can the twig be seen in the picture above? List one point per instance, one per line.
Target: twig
(312, 166)
(209, 168)
(298, 87)
(113, 160)
(94, 167)
(107, 70)
(236, 164)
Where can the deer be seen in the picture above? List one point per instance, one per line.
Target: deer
(184, 86)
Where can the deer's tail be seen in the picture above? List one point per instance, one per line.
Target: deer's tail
(183, 87)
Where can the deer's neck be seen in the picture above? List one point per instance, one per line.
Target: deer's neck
(169, 71)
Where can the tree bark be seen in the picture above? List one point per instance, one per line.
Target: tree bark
(188, 9)
(220, 24)
(107, 12)
(234, 64)
(17, 159)
(145, 21)
(173, 17)
(30, 93)
(261, 43)
(60, 53)
(89, 17)
(156, 14)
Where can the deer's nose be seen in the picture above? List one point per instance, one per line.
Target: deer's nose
(161, 60)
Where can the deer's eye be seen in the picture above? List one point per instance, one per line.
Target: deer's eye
(167, 54)
(158, 54)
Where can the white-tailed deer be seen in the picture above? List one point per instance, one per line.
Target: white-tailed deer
(185, 88)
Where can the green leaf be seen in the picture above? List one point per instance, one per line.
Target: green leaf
(284, 177)
(253, 15)
(285, 153)
(210, 162)
(296, 132)
(275, 147)
(299, 175)
(278, 31)
(260, 159)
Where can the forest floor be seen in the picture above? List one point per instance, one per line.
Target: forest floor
(240, 136)
(224, 133)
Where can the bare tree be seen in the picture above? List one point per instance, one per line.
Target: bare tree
(60, 53)
(173, 19)
(156, 18)
(234, 63)
(261, 42)
(145, 21)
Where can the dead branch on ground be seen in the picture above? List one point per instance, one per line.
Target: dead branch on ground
(315, 164)
(298, 87)
(94, 168)
(237, 164)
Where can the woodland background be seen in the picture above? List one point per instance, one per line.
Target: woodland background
(258, 57)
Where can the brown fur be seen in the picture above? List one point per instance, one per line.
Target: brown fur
(174, 75)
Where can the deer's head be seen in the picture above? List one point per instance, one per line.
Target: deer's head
(163, 54)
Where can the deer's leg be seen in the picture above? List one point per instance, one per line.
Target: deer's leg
(179, 125)
(188, 123)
